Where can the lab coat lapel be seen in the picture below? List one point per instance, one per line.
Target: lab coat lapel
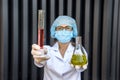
(56, 51)
(68, 52)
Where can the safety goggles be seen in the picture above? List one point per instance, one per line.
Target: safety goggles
(68, 28)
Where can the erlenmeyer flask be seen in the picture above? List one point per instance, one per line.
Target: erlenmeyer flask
(79, 58)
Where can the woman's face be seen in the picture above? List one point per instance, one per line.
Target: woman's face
(64, 33)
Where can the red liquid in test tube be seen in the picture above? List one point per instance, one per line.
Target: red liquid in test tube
(41, 37)
(41, 28)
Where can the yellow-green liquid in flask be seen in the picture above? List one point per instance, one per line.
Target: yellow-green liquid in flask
(78, 59)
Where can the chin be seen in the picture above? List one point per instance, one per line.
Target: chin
(64, 43)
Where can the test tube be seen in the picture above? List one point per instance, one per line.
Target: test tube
(41, 16)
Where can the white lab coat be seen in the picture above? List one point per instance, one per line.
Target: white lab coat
(57, 67)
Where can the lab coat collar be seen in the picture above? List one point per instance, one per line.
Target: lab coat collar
(56, 47)
(68, 52)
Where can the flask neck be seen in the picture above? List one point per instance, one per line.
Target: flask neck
(78, 42)
(78, 46)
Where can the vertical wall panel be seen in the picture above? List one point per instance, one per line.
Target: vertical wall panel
(98, 23)
(87, 38)
(34, 38)
(47, 20)
(5, 39)
(78, 14)
(69, 8)
(61, 7)
(14, 45)
(1, 49)
(52, 17)
(52, 11)
(25, 40)
(106, 39)
(118, 46)
(96, 41)
(114, 41)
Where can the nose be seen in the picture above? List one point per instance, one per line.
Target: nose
(64, 29)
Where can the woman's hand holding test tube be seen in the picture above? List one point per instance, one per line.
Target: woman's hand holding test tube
(39, 54)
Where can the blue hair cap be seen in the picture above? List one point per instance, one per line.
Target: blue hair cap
(64, 20)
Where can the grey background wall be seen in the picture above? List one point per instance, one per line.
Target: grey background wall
(98, 23)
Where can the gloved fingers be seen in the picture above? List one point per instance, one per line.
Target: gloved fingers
(38, 60)
(76, 66)
(35, 47)
(79, 67)
(45, 50)
(37, 52)
(85, 66)
(34, 52)
(43, 57)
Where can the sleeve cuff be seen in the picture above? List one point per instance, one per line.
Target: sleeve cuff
(41, 64)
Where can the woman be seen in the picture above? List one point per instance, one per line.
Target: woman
(56, 59)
